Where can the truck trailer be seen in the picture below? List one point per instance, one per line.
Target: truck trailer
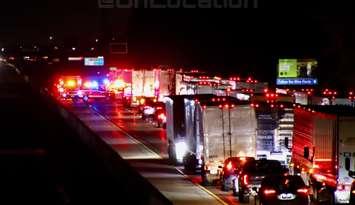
(204, 130)
(323, 151)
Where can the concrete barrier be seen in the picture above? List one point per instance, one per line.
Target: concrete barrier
(141, 191)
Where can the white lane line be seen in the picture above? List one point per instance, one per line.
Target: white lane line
(203, 188)
(155, 155)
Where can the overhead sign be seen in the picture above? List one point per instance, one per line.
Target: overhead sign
(99, 61)
(297, 72)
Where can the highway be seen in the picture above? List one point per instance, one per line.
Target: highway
(145, 147)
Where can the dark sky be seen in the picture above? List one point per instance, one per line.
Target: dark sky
(245, 41)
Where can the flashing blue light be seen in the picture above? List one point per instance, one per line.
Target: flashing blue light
(106, 81)
(94, 84)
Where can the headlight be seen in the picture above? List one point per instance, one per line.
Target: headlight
(180, 150)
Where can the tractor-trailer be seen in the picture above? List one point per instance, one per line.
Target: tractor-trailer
(323, 151)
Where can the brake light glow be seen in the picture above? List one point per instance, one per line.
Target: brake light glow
(269, 191)
(71, 83)
(162, 117)
(245, 179)
(229, 166)
(302, 191)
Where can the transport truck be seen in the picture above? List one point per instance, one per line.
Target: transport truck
(204, 130)
(323, 151)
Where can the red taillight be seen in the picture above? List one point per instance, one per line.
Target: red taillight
(245, 179)
(162, 116)
(269, 191)
(159, 108)
(229, 166)
(340, 187)
(302, 191)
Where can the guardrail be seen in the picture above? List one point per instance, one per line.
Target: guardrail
(139, 188)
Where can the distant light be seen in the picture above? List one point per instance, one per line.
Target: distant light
(96, 40)
(55, 48)
(2, 49)
(92, 48)
(73, 48)
(50, 37)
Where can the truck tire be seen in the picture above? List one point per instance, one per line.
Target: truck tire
(171, 152)
(190, 163)
(242, 197)
(224, 187)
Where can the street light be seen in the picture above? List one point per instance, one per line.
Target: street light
(50, 38)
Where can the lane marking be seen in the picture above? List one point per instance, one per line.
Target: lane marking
(203, 188)
(157, 156)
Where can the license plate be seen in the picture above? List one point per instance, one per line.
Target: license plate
(286, 196)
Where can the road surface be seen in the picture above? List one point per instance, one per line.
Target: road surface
(145, 147)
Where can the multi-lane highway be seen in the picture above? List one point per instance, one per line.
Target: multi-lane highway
(145, 148)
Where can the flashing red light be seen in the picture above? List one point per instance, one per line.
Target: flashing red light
(220, 106)
(324, 93)
(267, 95)
(302, 191)
(226, 106)
(269, 191)
(309, 92)
(335, 92)
(159, 108)
(223, 99)
(213, 99)
(204, 107)
(218, 99)
(232, 105)
(272, 95)
(351, 93)
(238, 79)
(257, 105)
(277, 95)
(281, 106)
(252, 105)
(272, 105)
(229, 166)
(245, 179)
(255, 81)
(266, 90)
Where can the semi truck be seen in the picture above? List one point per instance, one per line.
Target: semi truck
(323, 151)
(204, 130)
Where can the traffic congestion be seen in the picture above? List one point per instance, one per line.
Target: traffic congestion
(257, 143)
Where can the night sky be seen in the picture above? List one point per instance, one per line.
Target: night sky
(247, 41)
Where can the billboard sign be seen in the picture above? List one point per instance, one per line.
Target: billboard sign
(98, 61)
(297, 72)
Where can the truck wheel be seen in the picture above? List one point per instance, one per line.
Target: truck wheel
(242, 197)
(172, 157)
(223, 186)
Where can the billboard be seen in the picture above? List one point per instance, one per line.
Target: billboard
(297, 72)
(98, 61)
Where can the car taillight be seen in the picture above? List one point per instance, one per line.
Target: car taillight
(245, 179)
(340, 187)
(162, 116)
(159, 108)
(302, 191)
(229, 166)
(269, 191)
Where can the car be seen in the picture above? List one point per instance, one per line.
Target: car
(253, 172)
(230, 172)
(286, 189)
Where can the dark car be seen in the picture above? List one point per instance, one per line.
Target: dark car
(230, 172)
(287, 189)
(253, 172)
